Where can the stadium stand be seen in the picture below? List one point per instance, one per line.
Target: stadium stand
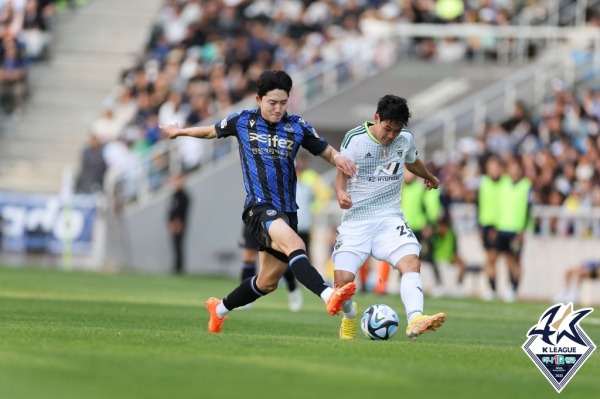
(89, 46)
(211, 56)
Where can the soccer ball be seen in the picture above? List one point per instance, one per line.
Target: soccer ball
(379, 322)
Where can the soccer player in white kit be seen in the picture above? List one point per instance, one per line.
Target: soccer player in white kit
(373, 222)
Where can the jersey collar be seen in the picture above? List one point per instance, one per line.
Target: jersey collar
(371, 123)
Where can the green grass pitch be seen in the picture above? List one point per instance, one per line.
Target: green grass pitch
(85, 336)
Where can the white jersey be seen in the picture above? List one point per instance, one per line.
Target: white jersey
(376, 188)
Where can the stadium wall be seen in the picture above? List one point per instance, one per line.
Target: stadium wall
(141, 243)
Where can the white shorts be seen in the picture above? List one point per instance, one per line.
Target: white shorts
(387, 239)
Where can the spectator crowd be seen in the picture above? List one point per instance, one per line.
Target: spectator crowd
(556, 144)
(25, 38)
(204, 56)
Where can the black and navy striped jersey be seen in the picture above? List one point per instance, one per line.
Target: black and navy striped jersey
(267, 153)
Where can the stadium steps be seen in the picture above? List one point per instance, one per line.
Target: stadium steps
(90, 47)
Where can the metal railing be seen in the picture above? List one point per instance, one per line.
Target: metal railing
(555, 13)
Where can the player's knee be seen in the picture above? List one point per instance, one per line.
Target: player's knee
(409, 264)
(267, 287)
(293, 245)
(298, 243)
(267, 282)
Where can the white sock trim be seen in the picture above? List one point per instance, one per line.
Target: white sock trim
(221, 310)
(326, 294)
(348, 309)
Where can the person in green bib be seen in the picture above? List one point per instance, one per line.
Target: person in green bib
(515, 198)
(488, 204)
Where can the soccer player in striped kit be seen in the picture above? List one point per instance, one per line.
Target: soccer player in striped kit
(373, 222)
(269, 139)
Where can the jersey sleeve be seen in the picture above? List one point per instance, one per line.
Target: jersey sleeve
(411, 154)
(228, 126)
(315, 144)
(349, 150)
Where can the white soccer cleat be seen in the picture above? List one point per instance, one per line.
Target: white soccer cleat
(489, 296)
(510, 296)
(295, 300)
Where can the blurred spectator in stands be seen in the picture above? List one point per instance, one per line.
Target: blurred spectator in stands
(34, 32)
(145, 108)
(199, 109)
(13, 78)
(173, 111)
(138, 81)
(10, 23)
(497, 141)
(519, 124)
(422, 11)
(574, 277)
(107, 127)
(591, 104)
(191, 153)
(449, 11)
(92, 168)
(150, 133)
(125, 107)
(190, 66)
(123, 165)
(450, 49)
(158, 170)
(46, 9)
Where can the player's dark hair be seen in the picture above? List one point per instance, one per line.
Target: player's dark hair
(273, 80)
(394, 109)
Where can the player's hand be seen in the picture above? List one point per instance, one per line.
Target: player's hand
(172, 131)
(345, 165)
(432, 184)
(345, 200)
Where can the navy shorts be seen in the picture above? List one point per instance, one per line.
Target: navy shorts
(257, 219)
(509, 243)
(489, 236)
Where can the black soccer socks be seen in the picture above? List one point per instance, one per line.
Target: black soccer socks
(306, 274)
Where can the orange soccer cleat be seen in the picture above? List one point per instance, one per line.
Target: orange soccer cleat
(339, 296)
(215, 323)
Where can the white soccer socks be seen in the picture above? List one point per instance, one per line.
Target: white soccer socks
(411, 292)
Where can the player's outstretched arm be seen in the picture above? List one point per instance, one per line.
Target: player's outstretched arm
(419, 169)
(340, 185)
(201, 132)
(339, 161)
